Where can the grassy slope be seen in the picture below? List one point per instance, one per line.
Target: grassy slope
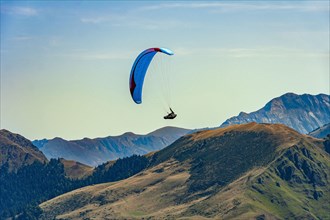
(303, 192)
(152, 192)
(239, 172)
(76, 170)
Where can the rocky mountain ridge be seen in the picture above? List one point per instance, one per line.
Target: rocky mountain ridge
(303, 113)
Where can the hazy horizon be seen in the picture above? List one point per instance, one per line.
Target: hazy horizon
(65, 65)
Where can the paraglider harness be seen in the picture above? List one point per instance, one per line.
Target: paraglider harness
(170, 115)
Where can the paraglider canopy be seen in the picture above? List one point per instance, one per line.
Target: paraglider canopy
(139, 71)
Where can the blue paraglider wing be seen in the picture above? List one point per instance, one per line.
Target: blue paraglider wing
(139, 71)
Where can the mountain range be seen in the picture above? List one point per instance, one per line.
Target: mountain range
(304, 113)
(249, 171)
(240, 171)
(96, 151)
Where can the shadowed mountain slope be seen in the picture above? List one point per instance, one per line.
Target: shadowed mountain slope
(250, 171)
(303, 113)
(99, 150)
(28, 178)
(17, 151)
(35, 181)
(321, 132)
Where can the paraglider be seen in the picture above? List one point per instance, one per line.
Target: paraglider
(170, 115)
(138, 72)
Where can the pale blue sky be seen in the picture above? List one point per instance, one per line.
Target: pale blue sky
(65, 65)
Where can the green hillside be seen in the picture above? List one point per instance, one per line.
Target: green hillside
(250, 171)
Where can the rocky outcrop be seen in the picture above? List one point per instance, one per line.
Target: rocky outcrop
(303, 113)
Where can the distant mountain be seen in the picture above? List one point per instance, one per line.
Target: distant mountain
(303, 113)
(40, 143)
(250, 171)
(321, 132)
(17, 151)
(99, 150)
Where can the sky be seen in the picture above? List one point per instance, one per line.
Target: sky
(65, 65)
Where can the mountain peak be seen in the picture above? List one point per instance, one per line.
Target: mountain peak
(168, 130)
(289, 94)
(303, 113)
(129, 133)
(17, 151)
(242, 114)
(272, 129)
